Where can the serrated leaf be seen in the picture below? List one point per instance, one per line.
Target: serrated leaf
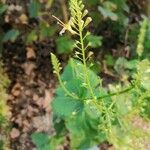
(89, 134)
(64, 45)
(95, 41)
(75, 69)
(79, 72)
(92, 111)
(123, 63)
(74, 86)
(68, 72)
(41, 140)
(65, 106)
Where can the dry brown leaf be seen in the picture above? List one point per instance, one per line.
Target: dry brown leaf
(28, 93)
(35, 97)
(30, 53)
(16, 93)
(19, 120)
(28, 68)
(40, 120)
(14, 133)
(47, 99)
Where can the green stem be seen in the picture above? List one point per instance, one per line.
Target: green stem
(84, 63)
(116, 93)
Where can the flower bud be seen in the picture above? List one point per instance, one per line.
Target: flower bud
(85, 13)
(88, 20)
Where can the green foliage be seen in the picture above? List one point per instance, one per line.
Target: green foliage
(107, 13)
(94, 41)
(46, 30)
(3, 8)
(82, 106)
(32, 37)
(30, 23)
(109, 60)
(114, 10)
(41, 140)
(34, 8)
(64, 45)
(86, 108)
(4, 82)
(11, 35)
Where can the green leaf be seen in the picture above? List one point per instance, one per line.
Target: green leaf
(65, 106)
(3, 8)
(49, 3)
(89, 133)
(123, 64)
(91, 110)
(79, 73)
(34, 8)
(94, 41)
(11, 35)
(75, 69)
(56, 141)
(44, 142)
(59, 125)
(75, 87)
(132, 64)
(41, 140)
(93, 2)
(46, 30)
(108, 14)
(64, 45)
(122, 108)
(120, 64)
(1, 144)
(32, 37)
(109, 60)
(69, 71)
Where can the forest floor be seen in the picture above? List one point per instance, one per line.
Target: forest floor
(30, 93)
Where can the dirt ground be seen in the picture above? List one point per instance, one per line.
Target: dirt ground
(30, 93)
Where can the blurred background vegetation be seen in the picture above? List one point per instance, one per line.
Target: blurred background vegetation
(27, 25)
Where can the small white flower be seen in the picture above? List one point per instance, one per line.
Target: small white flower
(67, 26)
